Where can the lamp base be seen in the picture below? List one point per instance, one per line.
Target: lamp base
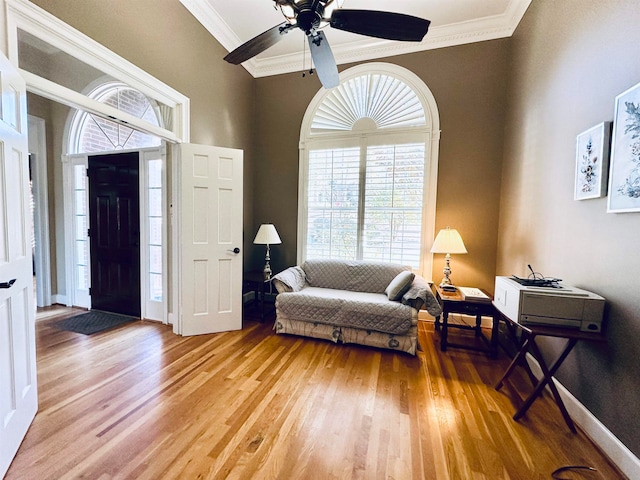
(266, 272)
(446, 271)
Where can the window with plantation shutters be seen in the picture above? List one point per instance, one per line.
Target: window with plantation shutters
(333, 199)
(367, 178)
(392, 217)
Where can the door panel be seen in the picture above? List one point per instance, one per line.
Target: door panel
(210, 218)
(18, 382)
(114, 226)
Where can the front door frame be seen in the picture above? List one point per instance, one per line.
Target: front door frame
(78, 296)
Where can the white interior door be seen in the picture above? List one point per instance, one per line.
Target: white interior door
(18, 391)
(209, 231)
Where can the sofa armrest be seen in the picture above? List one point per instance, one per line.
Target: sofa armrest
(420, 296)
(293, 279)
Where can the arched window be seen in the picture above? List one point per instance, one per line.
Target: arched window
(91, 133)
(368, 163)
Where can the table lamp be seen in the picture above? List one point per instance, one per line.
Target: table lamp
(267, 235)
(448, 241)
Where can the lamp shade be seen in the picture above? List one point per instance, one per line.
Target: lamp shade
(267, 235)
(448, 240)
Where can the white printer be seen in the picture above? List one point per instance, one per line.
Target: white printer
(559, 306)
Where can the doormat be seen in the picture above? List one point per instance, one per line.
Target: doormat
(93, 321)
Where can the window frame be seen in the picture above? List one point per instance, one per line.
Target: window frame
(363, 138)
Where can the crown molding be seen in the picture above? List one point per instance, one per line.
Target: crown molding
(213, 22)
(478, 30)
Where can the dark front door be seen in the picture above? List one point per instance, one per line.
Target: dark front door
(114, 233)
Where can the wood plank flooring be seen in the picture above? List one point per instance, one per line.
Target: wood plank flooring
(139, 402)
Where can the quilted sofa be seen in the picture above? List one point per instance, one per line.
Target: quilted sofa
(368, 303)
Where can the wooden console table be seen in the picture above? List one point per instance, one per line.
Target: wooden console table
(528, 345)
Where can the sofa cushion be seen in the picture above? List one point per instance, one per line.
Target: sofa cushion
(399, 285)
(373, 277)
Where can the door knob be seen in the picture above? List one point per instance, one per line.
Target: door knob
(7, 284)
(235, 250)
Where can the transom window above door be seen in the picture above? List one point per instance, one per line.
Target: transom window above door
(92, 133)
(367, 176)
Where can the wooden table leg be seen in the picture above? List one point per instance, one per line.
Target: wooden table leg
(443, 334)
(548, 380)
(495, 327)
(514, 362)
(521, 342)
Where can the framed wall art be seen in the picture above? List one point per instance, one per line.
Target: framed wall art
(592, 162)
(624, 178)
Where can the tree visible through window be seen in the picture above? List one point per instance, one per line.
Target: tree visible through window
(364, 173)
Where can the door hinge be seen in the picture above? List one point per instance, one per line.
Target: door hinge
(87, 172)
(89, 291)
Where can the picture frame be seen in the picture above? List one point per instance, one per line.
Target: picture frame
(624, 175)
(592, 162)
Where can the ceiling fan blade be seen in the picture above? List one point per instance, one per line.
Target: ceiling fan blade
(323, 60)
(257, 44)
(387, 25)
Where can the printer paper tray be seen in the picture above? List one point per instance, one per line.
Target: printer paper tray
(550, 321)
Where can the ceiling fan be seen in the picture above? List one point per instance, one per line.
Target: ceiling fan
(309, 16)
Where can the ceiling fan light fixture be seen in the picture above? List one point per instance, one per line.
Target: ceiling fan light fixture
(288, 12)
(330, 6)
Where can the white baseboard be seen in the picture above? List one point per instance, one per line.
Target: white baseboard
(59, 299)
(613, 448)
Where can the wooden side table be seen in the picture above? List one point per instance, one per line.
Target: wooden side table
(452, 302)
(254, 281)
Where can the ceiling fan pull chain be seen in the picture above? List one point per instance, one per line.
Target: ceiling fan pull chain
(304, 52)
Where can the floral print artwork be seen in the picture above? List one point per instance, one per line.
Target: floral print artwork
(624, 191)
(592, 162)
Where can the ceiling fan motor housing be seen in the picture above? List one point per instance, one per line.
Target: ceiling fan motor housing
(310, 14)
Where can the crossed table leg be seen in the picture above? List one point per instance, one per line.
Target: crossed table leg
(529, 344)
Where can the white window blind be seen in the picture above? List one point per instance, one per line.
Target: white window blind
(393, 204)
(366, 206)
(332, 215)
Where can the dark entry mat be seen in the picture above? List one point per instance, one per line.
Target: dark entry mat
(93, 321)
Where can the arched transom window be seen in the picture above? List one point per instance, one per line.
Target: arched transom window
(92, 133)
(367, 176)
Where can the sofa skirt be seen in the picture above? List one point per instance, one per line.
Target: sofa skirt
(403, 343)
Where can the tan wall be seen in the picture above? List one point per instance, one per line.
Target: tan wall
(567, 65)
(164, 39)
(468, 83)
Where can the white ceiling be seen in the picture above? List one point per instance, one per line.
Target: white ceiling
(453, 22)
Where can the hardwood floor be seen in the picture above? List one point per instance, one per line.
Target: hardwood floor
(140, 402)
